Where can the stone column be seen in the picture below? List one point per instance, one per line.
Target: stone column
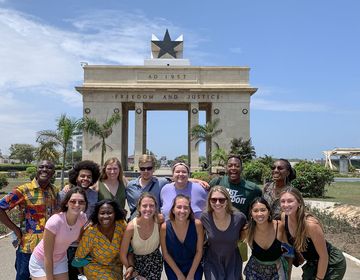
(139, 133)
(343, 165)
(193, 119)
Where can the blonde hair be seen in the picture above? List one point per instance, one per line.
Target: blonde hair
(147, 158)
(302, 215)
(108, 162)
(229, 208)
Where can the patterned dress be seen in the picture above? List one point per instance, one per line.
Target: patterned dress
(105, 259)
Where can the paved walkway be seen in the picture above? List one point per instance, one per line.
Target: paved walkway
(7, 270)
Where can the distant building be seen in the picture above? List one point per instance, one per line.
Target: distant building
(76, 141)
(6, 160)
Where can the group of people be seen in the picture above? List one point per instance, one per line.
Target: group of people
(184, 225)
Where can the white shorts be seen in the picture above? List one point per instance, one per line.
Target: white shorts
(37, 268)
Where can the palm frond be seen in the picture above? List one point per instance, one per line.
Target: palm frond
(97, 145)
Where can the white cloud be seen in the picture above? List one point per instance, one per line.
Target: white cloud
(40, 63)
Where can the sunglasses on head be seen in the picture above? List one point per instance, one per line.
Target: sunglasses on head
(74, 201)
(148, 168)
(214, 200)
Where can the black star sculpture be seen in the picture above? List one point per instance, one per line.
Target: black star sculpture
(166, 45)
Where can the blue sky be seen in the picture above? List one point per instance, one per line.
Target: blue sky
(304, 58)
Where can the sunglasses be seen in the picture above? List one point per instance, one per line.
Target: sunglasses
(278, 167)
(214, 200)
(148, 168)
(74, 201)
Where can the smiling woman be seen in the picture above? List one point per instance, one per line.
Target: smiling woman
(49, 259)
(183, 186)
(101, 242)
(182, 239)
(144, 261)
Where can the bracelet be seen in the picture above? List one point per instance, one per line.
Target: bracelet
(131, 266)
(318, 278)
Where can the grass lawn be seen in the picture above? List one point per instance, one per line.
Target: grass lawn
(343, 192)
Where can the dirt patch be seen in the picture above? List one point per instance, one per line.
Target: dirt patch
(346, 242)
(347, 238)
(350, 212)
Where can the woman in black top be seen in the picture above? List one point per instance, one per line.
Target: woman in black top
(305, 233)
(265, 237)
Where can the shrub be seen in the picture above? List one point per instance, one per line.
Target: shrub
(256, 171)
(3, 181)
(14, 167)
(31, 172)
(311, 178)
(201, 175)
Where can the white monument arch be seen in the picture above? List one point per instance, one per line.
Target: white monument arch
(165, 82)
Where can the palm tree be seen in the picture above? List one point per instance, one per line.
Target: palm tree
(206, 133)
(102, 131)
(243, 148)
(220, 156)
(62, 137)
(47, 150)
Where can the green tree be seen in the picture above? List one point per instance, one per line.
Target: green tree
(47, 150)
(23, 152)
(256, 171)
(182, 158)
(65, 129)
(267, 160)
(102, 131)
(243, 148)
(220, 156)
(206, 133)
(77, 156)
(311, 178)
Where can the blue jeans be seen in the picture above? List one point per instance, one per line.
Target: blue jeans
(22, 265)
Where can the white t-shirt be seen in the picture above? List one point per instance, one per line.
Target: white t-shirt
(64, 235)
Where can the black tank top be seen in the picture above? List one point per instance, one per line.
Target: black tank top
(310, 254)
(272, 253)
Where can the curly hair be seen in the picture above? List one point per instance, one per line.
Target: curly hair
(237, 157)
(120, 214)
(84, 165)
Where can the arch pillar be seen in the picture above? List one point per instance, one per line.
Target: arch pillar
(193, 119)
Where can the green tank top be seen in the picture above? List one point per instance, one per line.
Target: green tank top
(119, 196)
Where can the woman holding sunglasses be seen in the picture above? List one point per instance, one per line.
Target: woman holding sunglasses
(282, 175)
(223, 226)
(49, 260)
